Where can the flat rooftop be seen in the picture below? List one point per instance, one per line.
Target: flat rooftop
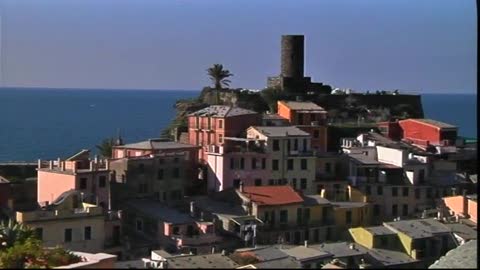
(155, 144)
(280, 131)
(202, 261)
(222, 111)
(380, 230)
(418, 228)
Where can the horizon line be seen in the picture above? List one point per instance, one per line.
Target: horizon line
(163, 89)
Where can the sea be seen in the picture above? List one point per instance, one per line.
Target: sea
(51, 123)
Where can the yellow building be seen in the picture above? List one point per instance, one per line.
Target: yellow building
(423, 240)
(68, 222)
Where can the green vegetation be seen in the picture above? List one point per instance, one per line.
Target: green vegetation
(105, 147)
(219, 77)
(21, 248)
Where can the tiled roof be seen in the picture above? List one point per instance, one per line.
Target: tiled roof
(303, 253)
(272, 195)
(280, 131)
(202, 261)
(156, 144)
(222, 111)
(341, 249)
(387, 257)
(380, 230)
(464, 256)
(302, 105)
(418, 228)
(78, 155)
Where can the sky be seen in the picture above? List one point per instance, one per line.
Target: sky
(413, 45)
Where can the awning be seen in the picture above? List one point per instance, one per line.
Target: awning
(241, 220)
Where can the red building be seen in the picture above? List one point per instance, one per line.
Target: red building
(422, 132)
(309, 117)
(211, 125)
(427, 131)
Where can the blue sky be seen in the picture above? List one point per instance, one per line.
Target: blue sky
(415, 45)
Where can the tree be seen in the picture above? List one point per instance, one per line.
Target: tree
(105, 147)
(13, 232)
(219, 76)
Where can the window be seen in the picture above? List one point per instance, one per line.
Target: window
(306, 214)
(232, 163)
(299, 216)
(141, 168)
(160, 161)
(160, 174)
(139, 225)
(405, 192)
(220, 123)
(306, 234)
(304, 145)
(176, 230)
(348, 217)
(236, 183)
(88, 233)
(303, 164)
(39, 233)
(379, 190)
(288, 145)
(264, 163)
(429, 193)
(164, 196)
(384, 242)
(417, 193)
(102, 181)
(394, 192)
(254, 163)
(176, 172)
(405, 210)
(276, 145)
(303, 183)
(394, 210)
(290, 164)
(83, 183)
(328, 167)
(316, 134)
(176, 160)
(295, 144)
(270, 182)
(258, 182)
(275, 164)
(220, 138)
(368, 190)
(287, 237)
(242, 163)
(376, 210)
(316, 235)
(283, 216)
(294, 183)
(421, 176)
(68, 235)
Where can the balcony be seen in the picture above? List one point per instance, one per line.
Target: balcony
(195, 240)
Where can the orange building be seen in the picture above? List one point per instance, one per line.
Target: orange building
(211, 125)
(309, 117)
(463, 206)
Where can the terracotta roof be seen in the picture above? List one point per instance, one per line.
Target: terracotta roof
(302, 105)
(431, 122)
(272, 195)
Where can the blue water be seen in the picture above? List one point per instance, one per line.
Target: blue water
(46, 124)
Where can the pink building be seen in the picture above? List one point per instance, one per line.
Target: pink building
(169, 228)
(462, 206)
(239, 160)
(211, 125)
(77, 172)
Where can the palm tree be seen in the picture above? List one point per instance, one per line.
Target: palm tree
(105, 147)
(13, 232)
(219, 76)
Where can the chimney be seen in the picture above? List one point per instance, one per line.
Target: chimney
(39, 164)
(454, 191)
(58, 162)
(192, 209)
(91, 165)
(223, 252)
(50, 164)
(213, 250)
(201, 216)
(62, 165)
(241, 186)
(96, 159)
(306, 243)
(352, 246)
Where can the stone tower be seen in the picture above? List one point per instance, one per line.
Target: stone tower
(292, 76)
(292, 56)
